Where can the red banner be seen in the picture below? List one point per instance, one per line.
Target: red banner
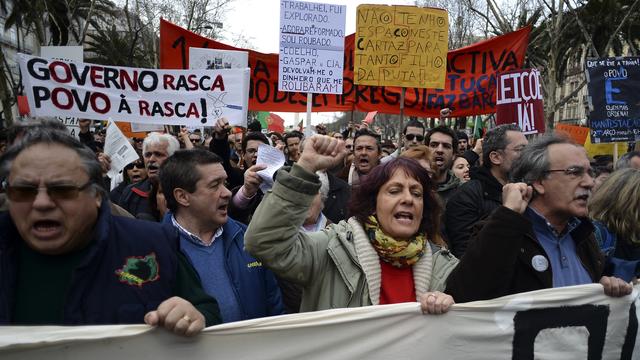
(470, 88)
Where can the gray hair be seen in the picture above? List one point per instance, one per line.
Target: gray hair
(44, 135)
(625, 160)
(156, 138)
(534, 159)
(494, 140)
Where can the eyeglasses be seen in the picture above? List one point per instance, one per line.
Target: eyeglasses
(28, 193)
(575, 171)
(137, 164)
(410, 137)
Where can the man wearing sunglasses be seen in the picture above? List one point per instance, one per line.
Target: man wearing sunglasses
(412, 135)
(540, 237)
(67, 261)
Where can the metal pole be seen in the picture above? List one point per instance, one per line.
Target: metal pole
(307, 129)
(401, 123)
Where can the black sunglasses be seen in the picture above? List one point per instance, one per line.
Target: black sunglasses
(410, 137)
(137, 164)
(28, 193)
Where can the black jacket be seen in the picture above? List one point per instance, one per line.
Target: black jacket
(473, 201)
(498, 261)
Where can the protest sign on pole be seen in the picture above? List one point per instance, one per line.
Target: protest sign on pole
(100, 92)
(613, 85)
(576, 322)
(519, 100)
(311, 47)
(402, 46)
(469, 87)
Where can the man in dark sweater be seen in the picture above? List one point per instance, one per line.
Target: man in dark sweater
(61, 243)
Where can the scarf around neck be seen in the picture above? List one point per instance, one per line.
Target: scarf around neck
(398, 253)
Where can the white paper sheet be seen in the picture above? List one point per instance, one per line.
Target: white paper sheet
(117, 146)
(273, 159)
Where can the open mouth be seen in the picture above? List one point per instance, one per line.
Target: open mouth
(136, 178)
(223, 207)
(403, 216)
(583, 197)
(46, 228)
(439, 160)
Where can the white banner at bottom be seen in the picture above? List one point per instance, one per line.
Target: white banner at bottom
(577, 322)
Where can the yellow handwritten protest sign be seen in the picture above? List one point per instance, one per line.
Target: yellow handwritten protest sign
(402, 46)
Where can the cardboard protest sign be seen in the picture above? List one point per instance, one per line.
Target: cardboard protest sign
(576, 322)
(577, 133)
(176, 97)
(128, 131)
(613, 85)
(469, 87)
(401, 46)
(311, 47)
(519, 100)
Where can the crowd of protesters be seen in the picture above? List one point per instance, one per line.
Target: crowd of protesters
(185, 237)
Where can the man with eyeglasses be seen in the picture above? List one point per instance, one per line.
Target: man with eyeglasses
(66, 260)
(481, 195)
(412, 135)
(443, 142)
(540, 237)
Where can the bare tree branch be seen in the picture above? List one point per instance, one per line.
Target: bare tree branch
(624, 20)
(586, 35)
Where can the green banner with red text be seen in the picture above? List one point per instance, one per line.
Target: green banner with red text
(470, 86)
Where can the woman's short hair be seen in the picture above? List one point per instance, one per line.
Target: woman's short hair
(419, 152)
(363, 198)
(617, 204)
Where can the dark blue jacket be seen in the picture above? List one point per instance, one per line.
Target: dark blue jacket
(101, 289)
(255, 287)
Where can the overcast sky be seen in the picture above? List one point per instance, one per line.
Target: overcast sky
(259, 20)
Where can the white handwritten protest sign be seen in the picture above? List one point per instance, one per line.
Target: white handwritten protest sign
(173, 97)
(577, 322)
(311, 47)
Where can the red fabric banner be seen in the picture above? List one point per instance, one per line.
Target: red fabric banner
(470, 87)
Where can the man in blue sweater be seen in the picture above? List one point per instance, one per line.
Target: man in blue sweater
(193, 183)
